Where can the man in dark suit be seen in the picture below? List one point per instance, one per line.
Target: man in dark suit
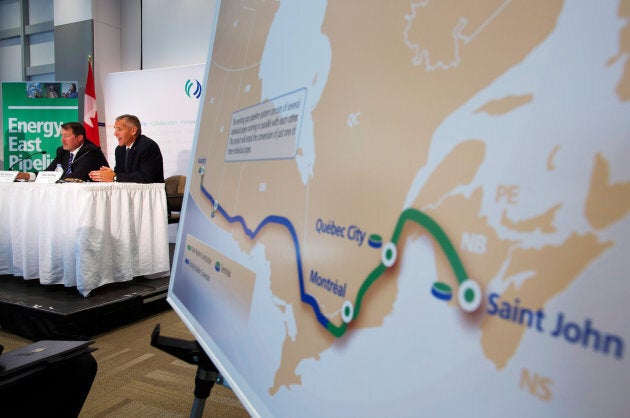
(77, 155)
(138, 157)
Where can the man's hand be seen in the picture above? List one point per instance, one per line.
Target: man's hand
(23, 176)
(104, 174)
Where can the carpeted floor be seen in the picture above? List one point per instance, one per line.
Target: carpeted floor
(136, 379)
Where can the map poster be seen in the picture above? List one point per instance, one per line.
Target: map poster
(413, 208)
(33, 113)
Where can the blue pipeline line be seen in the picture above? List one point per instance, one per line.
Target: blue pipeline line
(281, 220)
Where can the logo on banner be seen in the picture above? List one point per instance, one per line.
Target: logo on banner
(193, 88)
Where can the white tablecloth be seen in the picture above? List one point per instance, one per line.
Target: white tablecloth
(83, 234)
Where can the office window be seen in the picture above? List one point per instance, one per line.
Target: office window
(26, 40)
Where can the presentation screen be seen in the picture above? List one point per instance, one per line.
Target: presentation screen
(413, 208)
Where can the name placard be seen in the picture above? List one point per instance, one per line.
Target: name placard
(8, 176)
(48, 176)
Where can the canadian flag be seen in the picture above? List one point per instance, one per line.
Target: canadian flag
(90, 115)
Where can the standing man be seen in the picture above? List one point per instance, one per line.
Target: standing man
(138, 158)
(77, 155)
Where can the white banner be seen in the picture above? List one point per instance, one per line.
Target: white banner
(166, 101)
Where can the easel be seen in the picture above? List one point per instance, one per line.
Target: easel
(192, 353)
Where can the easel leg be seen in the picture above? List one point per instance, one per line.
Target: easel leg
(192, 353)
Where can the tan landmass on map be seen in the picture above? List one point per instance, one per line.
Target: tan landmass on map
(606, 203)
(554, 267)
(458, 168)
(504, 105)
(362, 172)
(233, 84)
(460, 215)
(623, 87)
(542, 222)
(311, 337)
(438, 46)
(550, 159)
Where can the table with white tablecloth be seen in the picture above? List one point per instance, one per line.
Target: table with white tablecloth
(83, 234)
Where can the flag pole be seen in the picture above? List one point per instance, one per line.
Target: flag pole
(90, 114)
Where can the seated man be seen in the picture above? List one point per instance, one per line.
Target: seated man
(138, 158)
(77, 155)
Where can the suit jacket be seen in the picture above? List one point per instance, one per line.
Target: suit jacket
(144, 162)
(90, 157)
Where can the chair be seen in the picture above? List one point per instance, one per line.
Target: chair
(175, 186)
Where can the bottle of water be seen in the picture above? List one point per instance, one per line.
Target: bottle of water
(59, 168)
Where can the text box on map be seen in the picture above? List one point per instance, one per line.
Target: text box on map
(267, 130)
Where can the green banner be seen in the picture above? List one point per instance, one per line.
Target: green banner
(33, 113)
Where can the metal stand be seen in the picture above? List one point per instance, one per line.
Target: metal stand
(192, 353)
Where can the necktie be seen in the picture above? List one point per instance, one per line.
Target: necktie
(127, 159)
(69, 168)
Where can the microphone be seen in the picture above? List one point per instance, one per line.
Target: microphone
(28, 157)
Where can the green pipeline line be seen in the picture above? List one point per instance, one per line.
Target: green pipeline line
(438, 233)
(337, 331)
